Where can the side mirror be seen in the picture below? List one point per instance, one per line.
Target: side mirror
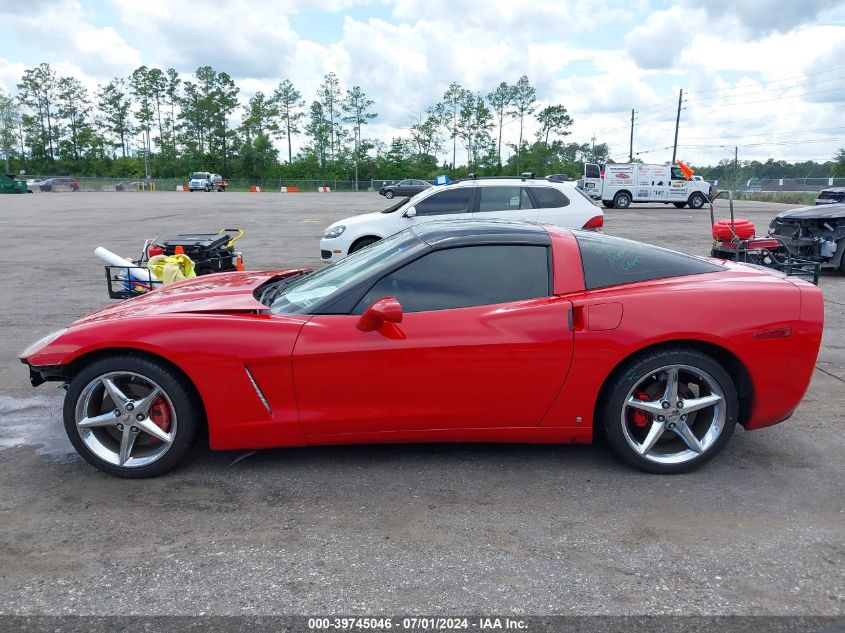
(410, 213)
(387, 310)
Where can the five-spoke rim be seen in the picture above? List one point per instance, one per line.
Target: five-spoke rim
(126, 419)
(674, 414)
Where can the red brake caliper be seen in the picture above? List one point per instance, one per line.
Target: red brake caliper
(160, 415)
(640, 418)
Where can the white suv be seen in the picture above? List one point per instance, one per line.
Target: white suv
(536, 200)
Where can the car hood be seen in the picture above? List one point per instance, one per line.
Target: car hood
(365, 218)
(828, 211)
(222, 292)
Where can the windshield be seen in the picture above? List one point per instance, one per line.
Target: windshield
(200, 175)
(306, 291)
(584, 195)
(409, 201)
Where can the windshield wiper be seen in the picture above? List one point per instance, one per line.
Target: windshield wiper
(274, 290)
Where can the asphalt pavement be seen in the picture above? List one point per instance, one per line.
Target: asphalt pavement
(509, 529)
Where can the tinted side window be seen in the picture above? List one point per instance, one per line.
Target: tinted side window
(466, 276)
(548, 197)
(446, 202)
(610, 261)
(678, 174)
(501, 199)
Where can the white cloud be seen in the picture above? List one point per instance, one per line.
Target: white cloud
(761, 17)
(659, 42)
(60, 28)
(406, 58)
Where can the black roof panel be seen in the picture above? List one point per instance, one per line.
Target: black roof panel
(818, 212)
(442, 233)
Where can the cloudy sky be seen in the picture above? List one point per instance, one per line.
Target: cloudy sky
(766, 75)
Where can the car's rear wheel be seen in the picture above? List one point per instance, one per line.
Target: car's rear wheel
(130, 416)
(363, 242)
(622, 200)
(389, 194)
(670, 411)
(680, 205)
(697, 200)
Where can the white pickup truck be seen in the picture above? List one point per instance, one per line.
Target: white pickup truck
(206, 181)
(618, 185)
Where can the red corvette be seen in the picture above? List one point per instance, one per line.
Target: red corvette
(446, 332)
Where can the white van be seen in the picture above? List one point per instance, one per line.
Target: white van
(618, 185)
(514, 198)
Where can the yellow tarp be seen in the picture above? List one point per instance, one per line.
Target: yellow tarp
(170, 268)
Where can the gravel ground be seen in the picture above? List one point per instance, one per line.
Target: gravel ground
(392, 529)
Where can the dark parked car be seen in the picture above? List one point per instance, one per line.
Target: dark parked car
(59, 184)
(404, 188)
(834, 195)
(816, 233)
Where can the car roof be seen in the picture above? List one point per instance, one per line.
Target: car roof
(441, 233)
(499, 182)
(821, 211)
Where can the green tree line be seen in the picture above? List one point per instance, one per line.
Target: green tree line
(156, 122)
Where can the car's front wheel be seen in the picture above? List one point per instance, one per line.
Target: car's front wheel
(669, 411)
(130, 416)
(697, 200)
(362, 242)
(389, 194)
(622, 200)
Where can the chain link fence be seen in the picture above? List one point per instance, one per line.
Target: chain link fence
(785, 190)
(55, 184)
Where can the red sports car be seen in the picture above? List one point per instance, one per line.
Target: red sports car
(447, 332)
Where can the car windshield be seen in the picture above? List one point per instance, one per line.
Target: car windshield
(200, 175)
(409, 201)
(585, 196)
(394, 207)
(306, 291)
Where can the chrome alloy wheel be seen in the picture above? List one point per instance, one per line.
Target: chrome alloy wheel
(674, 414)
(125, 419)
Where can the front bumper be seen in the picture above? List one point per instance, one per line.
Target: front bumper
(334, 249)
(40, 375)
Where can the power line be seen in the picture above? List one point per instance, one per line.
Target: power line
(714, 139)
(766, 83)
(769, 99)
(749, 90)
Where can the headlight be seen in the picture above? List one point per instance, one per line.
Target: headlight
(42, 342)
(333, 232)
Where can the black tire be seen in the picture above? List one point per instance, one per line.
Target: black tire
(630, 374)
(362, 242)
(680, 205)
(697, 200)
(389, 194)
(622, 200)
(608, 204)
(188, 412)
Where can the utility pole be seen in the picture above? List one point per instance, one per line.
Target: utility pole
(677, 123)
(593, 149)
(631, 145)
(736, 164)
